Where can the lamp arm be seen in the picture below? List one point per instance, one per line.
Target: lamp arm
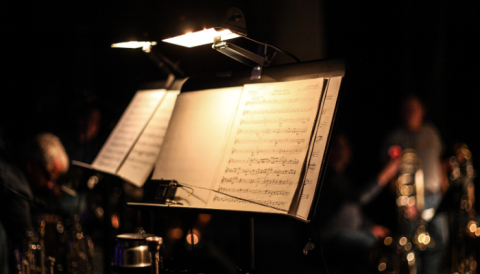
(164, 63)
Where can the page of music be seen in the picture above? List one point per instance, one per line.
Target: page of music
(127, 130)
(267, 146)
(140, 161)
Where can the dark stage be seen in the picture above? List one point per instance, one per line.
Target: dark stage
(56, 58)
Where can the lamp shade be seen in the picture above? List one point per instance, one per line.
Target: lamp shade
(202, 37)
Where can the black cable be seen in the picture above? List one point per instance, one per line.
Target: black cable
(321, 247)
(235, 197)
(35, 201)
(273, 47)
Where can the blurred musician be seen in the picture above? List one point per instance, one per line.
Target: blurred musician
(424, 139)
(30, 172)
(347, 237)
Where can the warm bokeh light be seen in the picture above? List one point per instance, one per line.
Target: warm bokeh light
(176, 233)
(410, 256)
(204, 218)
(189, 239)
(145, 45)
(115, 220)
(382, 266)
(388, 240)
(402, 241)
(202, 37)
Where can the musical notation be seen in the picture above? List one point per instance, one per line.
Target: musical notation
(267, 151)
(272, 160)
(266, 182)
(145, 153)
(253, 191)
(296, 131)
(304, 196)
(241, 201)
(272, 128)
(278, 101)
(253, 171)
(276, 111)
(268, 141)
(105, 164)
(279, 121)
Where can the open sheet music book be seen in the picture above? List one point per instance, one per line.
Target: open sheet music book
(133, 146)
(256, 147)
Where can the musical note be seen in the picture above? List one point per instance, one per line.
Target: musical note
(266, 182)
(280, 121)
(296, 131)
(275, 111)
(253, 191)
(236, 200)
(267, 151)
(268, 141)
(267, 171)
(272, 160)
(278, 101)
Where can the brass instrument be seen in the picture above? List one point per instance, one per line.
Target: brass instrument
(412, 232)
(60, 248)
(463, 215)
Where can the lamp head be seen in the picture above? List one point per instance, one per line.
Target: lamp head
(203, 37)
(232, 26)
(145, 45)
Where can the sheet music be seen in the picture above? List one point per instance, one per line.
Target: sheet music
(195, 141)
(319, 145)
(127, 130)
(266, 150)
(141, 159)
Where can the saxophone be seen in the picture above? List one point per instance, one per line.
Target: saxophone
(465, 227)
(412, 230)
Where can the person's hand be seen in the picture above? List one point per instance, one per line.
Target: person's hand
(411, 212)
(379, 231)
(389, 172)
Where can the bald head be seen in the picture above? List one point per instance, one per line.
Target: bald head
(44, 159)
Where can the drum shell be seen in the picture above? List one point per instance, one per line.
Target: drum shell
(132, 251)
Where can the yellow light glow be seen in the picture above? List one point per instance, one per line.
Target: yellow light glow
(410, 256)
(202, 37)
(421, 238)
(402, 241)
(134, 44)
(473, 227)
(388, 241)
(426, 240)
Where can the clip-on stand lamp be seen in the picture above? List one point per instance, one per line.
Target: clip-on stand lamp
(232, 26)
(165, 64)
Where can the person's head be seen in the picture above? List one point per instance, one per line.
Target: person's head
(89, 122)
(44, 160)
(413, 112)
(340, 152)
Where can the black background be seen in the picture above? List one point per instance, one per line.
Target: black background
(56, 54)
